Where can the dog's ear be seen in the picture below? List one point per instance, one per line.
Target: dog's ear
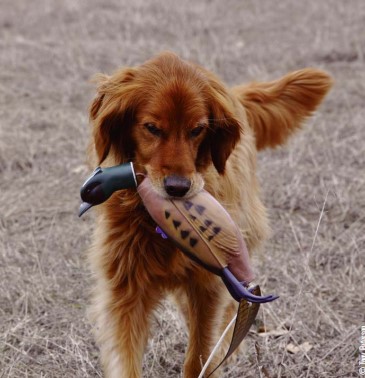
(112, 113)
(276, 109)
(224, 127)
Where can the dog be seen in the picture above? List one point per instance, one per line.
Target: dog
(180, 125)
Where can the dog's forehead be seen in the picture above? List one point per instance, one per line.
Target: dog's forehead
(178, 103)
(174, 90)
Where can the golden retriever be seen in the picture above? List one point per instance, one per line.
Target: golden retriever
(183, 127)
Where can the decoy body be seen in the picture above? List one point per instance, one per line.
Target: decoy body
(199, 226)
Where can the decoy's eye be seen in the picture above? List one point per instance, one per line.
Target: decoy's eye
(153, 129)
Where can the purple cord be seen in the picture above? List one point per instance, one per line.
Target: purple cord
(159, 231)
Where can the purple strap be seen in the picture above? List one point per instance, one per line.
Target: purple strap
(159, 231)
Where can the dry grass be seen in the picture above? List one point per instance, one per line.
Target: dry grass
(314, 188)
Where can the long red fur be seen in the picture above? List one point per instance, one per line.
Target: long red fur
(134, 268)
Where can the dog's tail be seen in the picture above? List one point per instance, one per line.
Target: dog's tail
(276, 109)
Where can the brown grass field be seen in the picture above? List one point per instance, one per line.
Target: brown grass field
(314, 187)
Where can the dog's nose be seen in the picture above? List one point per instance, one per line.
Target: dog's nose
(176, 186)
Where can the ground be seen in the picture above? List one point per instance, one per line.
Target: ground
(313, 187)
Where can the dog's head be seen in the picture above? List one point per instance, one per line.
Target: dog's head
(171, 118)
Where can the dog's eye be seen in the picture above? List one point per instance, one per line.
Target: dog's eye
(153, 129)
(196, 131)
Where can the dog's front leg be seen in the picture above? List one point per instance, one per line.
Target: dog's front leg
(205, 313)
(122, 322)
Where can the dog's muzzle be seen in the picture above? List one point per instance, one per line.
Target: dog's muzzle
(176, 186)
